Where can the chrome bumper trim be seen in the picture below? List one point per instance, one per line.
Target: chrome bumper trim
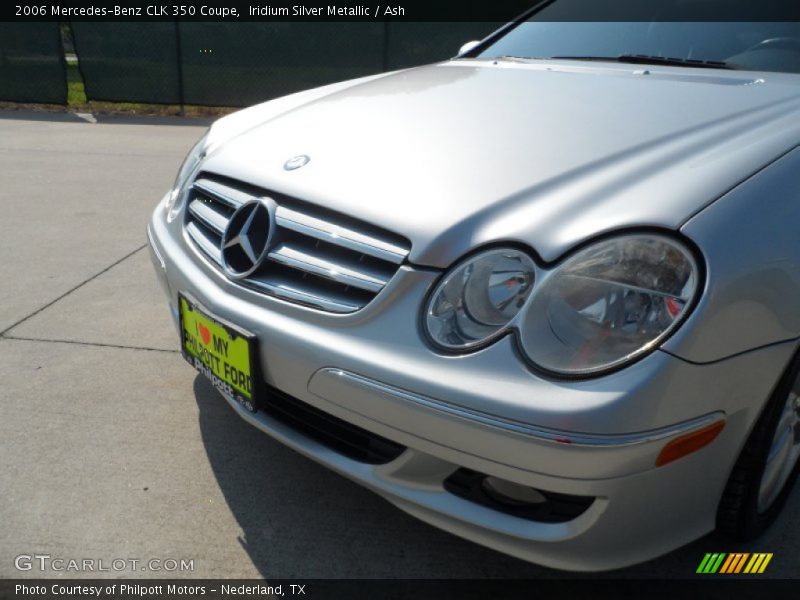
(555, 436)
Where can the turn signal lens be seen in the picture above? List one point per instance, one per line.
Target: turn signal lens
(688, 443)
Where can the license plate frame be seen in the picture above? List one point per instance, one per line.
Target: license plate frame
(211, 369)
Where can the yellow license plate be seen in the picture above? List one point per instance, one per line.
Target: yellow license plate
(221, 352)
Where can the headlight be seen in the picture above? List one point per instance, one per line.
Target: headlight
(479, 298)
(176, 196)
(609, 304)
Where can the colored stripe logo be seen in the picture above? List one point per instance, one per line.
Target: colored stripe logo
(734, 563)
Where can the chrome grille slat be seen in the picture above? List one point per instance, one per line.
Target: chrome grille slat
(294, 294)
(341, 236)
(332, 264)
(227, 195)
(303, 261)
(207, 245)
(209, 215)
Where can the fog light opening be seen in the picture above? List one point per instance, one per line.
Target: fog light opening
(510, 493)
(521, 501)
(689, 443)
(514, 499)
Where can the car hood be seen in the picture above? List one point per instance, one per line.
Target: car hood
(548, 154)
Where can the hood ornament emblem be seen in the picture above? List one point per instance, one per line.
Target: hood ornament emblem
(296, 162)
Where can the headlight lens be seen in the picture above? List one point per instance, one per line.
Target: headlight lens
(479, 298)
(176, 196)
(608, 304)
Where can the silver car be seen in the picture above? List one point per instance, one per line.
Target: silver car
(545, 295)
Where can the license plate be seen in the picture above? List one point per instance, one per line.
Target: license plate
(221, 351)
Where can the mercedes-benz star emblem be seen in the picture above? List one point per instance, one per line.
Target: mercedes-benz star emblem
(245, 242)
(296, 162)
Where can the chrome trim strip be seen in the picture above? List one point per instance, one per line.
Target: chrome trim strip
(205, 213)
(308, 263)
(201, 239)
(227, 195)
(338, 235)
(299, 296)
(544, 434)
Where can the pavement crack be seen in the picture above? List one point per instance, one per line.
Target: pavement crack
(80, 343)
(69, 291)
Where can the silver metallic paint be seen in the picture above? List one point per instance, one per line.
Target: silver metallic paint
(750, 243)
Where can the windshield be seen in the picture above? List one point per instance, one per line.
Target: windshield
(682, 41)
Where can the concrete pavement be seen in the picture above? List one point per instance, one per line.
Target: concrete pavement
(111, 447)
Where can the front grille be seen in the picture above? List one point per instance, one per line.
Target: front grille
(316, 258)
(343, 437)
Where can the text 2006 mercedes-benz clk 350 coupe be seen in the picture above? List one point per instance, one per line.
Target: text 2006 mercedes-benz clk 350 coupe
(545, 295)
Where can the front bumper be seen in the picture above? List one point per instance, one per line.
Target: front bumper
(487, 412)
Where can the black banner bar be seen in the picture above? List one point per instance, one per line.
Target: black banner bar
(399, 10)
(706, 587)
(268, 10)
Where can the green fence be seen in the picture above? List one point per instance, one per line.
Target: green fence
(32, 65)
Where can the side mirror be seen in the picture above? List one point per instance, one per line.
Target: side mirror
(467, 47)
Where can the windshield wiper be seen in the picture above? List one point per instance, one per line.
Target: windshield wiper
(645, 59)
